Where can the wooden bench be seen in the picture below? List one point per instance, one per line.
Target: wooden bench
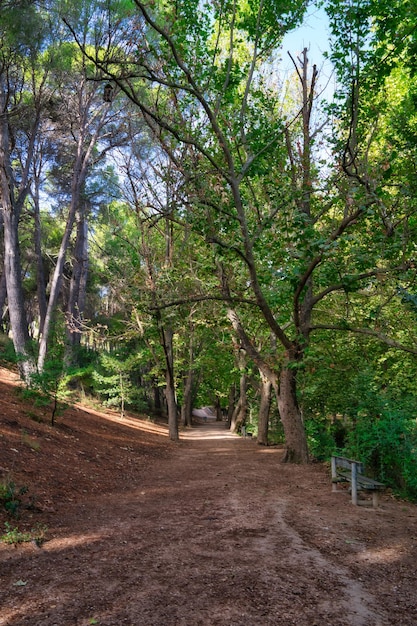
(347, 470)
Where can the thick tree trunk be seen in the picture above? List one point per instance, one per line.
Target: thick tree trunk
(264, 407)
(17, 314)
(12, 266)
(295, 436)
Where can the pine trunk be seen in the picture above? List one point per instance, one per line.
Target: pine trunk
(78, 285)
(12, 265)
(40, 273)
(3, 297)
(17, 314)
(55, 288)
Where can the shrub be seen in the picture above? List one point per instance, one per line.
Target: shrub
(11, 496)
(320, 437)
(384, 438)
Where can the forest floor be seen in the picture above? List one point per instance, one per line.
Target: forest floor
(212, 531)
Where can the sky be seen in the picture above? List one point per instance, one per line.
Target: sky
(313, 34)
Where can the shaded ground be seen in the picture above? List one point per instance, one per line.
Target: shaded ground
(212, 531)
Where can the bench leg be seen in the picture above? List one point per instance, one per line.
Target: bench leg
(375, 499)
(354, 485)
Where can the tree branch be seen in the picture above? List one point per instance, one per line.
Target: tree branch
(369, 332)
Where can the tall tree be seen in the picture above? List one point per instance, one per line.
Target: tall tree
(22, 86)
(86, 123)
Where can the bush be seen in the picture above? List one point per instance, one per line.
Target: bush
(320, 438)
(377, 424)
(384, 438)
(11, 497)
(7, 352)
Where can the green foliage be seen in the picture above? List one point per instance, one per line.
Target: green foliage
(7, 351)
(114, 381)
(383, 435)
(364, 413)
(321, 437)
(22, 26)
(49, 388)
(180, 219)
(11, 497)
(276, 434)
(14, 535)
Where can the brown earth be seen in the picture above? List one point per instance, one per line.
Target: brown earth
(212, 531)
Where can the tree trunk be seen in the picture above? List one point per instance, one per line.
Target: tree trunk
(264, 407)
(231, 404)
(219, 416)
(40, 273)
(172, 407)
(3, 297)
(240, 412)
(167, 337)
(55, 289)
(295, 436)
(187, 404)
(12, 265)
(78, 285)
(157, 403)
(15, 299)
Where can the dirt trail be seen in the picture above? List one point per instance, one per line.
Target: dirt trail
(214, 531)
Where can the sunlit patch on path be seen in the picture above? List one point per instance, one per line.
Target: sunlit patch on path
(211, 430)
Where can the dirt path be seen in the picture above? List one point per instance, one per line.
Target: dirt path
(212, 531)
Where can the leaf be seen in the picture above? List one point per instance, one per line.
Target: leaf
(20, 583)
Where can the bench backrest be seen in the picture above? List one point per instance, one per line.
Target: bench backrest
(341, 461)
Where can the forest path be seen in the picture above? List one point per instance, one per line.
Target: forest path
(212, 531)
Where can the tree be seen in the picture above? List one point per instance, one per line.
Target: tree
(85, 119)
(22, 85)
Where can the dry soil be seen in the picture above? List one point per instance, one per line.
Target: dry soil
(211, 531)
